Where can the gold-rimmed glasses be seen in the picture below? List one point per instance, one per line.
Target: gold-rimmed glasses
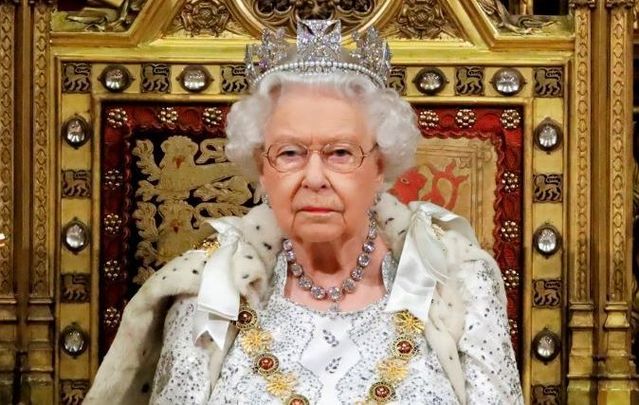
(341, 157)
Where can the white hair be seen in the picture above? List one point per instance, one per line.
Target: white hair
(390, 118)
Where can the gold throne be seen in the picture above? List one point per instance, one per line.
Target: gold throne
(129, 99)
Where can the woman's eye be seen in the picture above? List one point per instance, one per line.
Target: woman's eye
(342, 152)
(291, 153)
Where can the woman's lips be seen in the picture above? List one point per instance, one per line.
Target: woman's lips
(318, 210)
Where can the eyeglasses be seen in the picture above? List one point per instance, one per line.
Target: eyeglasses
(341, 157)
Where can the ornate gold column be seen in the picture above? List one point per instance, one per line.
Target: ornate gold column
(8, 310)
(613, 231)
(35, 271)
(581, 307)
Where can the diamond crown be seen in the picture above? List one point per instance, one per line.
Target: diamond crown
(318, 51)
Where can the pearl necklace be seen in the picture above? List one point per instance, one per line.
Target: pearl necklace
(334, 293)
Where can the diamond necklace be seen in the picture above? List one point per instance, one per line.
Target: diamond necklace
(334, 293)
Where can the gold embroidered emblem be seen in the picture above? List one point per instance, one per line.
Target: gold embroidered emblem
(408, 324)
(393, 370)
(280, 384)
(255, 341)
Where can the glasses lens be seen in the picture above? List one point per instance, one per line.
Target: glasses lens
(342, 157)
(287, 156)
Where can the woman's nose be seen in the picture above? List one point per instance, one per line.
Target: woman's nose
(315, 173)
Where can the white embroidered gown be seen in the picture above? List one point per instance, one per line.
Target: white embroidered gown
(334, 356)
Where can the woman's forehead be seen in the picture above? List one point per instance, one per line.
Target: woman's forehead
(315, 117)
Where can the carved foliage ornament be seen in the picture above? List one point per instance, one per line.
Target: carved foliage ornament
(41, 180)
(582, 3)
(425, 19)
(100, 16)
(515, 24)
(7, 123)
(286, 13)
(620, 3)
(203, 17)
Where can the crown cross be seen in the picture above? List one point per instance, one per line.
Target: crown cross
(319, 39)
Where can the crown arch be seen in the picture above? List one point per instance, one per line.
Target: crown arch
(513, 138)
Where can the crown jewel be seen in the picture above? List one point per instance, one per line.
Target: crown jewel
(318, 51)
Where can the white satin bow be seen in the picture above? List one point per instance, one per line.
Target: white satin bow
(219, 298)
(423, 260)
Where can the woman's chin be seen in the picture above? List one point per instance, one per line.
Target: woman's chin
(319, 232)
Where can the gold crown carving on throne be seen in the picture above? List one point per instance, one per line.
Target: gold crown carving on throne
(318, 51)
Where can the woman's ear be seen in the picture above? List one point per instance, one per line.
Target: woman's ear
(259, 160)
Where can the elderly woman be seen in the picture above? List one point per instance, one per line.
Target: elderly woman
(332, 291)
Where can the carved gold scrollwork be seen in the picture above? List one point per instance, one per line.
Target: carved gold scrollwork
(101, 16)
(76, 183)
(581, 180)
(620, 3)
(203, 16)
(546, 395)
(7, 122)
(286, 13)
(549, 81)
(547, 293)
(516, 24)
(425, 19)
(634, 320)
(548, 187)
(41, 264)
(582, 3)
(72, 392)
(76, 288)
(618, 147)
